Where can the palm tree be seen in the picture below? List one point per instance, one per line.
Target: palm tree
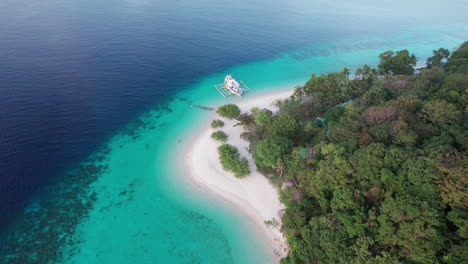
(346, 72)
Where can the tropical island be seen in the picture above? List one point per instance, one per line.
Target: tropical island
(363, 168)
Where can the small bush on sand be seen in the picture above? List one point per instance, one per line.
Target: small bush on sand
(229, 110)
(219, 136)
(231, 161)
(217, 123)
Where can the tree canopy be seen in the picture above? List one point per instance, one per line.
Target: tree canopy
(229, 111)
(400, 62)
(219, 136)
(262, 118)
(377, 160)
(217, 123)
(282, 125)
(438, 57)
(271, 151)
(231, 161)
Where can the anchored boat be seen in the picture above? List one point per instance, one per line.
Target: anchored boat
(231, 86)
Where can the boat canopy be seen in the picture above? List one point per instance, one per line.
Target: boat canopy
(231, 86)
(231, 83)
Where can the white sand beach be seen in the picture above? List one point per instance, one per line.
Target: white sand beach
(253, 195)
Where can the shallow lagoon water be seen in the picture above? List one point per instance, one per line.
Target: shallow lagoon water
(127, 204)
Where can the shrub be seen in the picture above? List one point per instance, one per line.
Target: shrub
(406, 138)
(254, 109)
(271, 150)
(334, 114)
(247, 136)
(229, 110)
(312, 128)
(400, 62)
(439, 112)
(217, 123)
(246, 120)
(262, 118)
(282, 125)
(219, 136)
(231, 161)
(380, 133)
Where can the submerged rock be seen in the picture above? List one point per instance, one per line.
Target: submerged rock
(91, 168)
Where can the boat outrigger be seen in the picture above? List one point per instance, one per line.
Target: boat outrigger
(231, 86)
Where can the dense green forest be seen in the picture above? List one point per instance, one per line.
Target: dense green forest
(376, 160)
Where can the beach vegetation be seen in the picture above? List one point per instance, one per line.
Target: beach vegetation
(230, 160)
(283, 125)
(274, 223)
(217, 123)
(230, 111)
(219, 136)
(246, 135)
(246, 120)
(262, 118)
(271, 151)
(377, 160)
(437, 60)
(458, 60)
(394, 63)
(254, 109)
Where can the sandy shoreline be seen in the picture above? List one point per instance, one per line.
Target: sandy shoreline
(253, 195)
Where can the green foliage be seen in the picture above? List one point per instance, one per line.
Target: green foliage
(328, 88)
(270, 151)
(460, 219)
(380, 133)
(454, 89)
(262, 118)
(229, 111)
(334, 114)
(283, 125)
(436, 59)
(219, 136)
(217, 123)
(375, 96)
(272, 223)
(406, 138)
(452, 181)
(387, 183)
(254, 109)
(458, 62)
(439, 112)
(363, 80)
(349, 127)
(313, 128)
(412, 227)
(231, 161)
(458, 254)
(400, 62)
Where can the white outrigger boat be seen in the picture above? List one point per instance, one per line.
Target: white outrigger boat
(231, 86)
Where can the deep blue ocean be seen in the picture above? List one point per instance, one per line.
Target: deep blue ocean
(73, 73)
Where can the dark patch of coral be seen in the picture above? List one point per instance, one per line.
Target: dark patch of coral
(50, 222)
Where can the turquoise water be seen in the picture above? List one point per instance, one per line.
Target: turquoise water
(128, 202)
(146, 214)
